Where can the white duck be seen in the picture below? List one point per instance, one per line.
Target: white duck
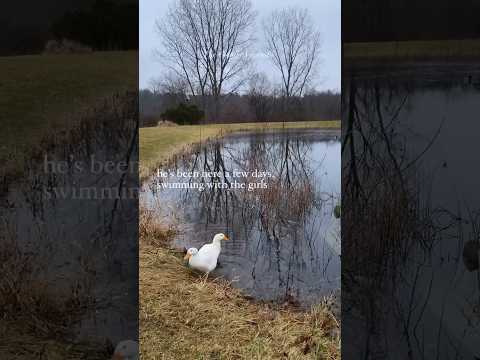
(126, 350)
(206, 258)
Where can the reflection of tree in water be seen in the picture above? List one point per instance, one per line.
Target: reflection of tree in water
(282, 226)
(390, 231)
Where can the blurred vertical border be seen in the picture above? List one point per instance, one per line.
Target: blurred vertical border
(69, 178)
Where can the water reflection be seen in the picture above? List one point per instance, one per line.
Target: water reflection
(71, 249)
(410, 217)
(285, 238)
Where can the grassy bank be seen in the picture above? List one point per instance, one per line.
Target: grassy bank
(432, 49)
(15, 344)
(41, 94)
(159, 143)
(184, 316)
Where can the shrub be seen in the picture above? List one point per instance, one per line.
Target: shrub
(65, 46)
(184, 114)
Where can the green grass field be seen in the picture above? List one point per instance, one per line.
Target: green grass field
(432, 49)
(158, 143)
(39, 93)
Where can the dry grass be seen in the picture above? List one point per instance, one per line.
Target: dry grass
(35, 314)
(26, 298)
(166, 123)
(184, 316)
(432, 49)
(152, 231)
(281, 201)
(16, 345)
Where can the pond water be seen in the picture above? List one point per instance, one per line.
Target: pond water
(422, 120)
(77, 232)
(284, 239)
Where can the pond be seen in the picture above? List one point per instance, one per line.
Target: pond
(71, 235)
(285, 239)
(418, 122)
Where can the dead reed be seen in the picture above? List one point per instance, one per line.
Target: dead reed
(152, 231)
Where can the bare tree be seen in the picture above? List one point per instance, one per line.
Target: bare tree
(205, 42)
(259, 96)
(170, 83)
(293, 45)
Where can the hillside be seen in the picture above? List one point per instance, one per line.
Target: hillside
(39, 93)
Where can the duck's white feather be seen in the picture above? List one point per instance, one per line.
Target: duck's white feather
(206, 258)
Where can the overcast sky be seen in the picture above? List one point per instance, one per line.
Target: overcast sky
(325, 14)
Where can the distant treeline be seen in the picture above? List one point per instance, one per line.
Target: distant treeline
(244, 108)
(401, 20)
(105, 26)
(98, 24)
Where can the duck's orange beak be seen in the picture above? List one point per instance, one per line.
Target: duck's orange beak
(225, 237)
(187, 256)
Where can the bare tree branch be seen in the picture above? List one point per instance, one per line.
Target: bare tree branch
(259, 96)
(293, 45)
(206, 43)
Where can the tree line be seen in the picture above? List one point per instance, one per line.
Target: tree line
(206, 51)
(107, 25)
(98, 24)
(248, 107)
(403, 20)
